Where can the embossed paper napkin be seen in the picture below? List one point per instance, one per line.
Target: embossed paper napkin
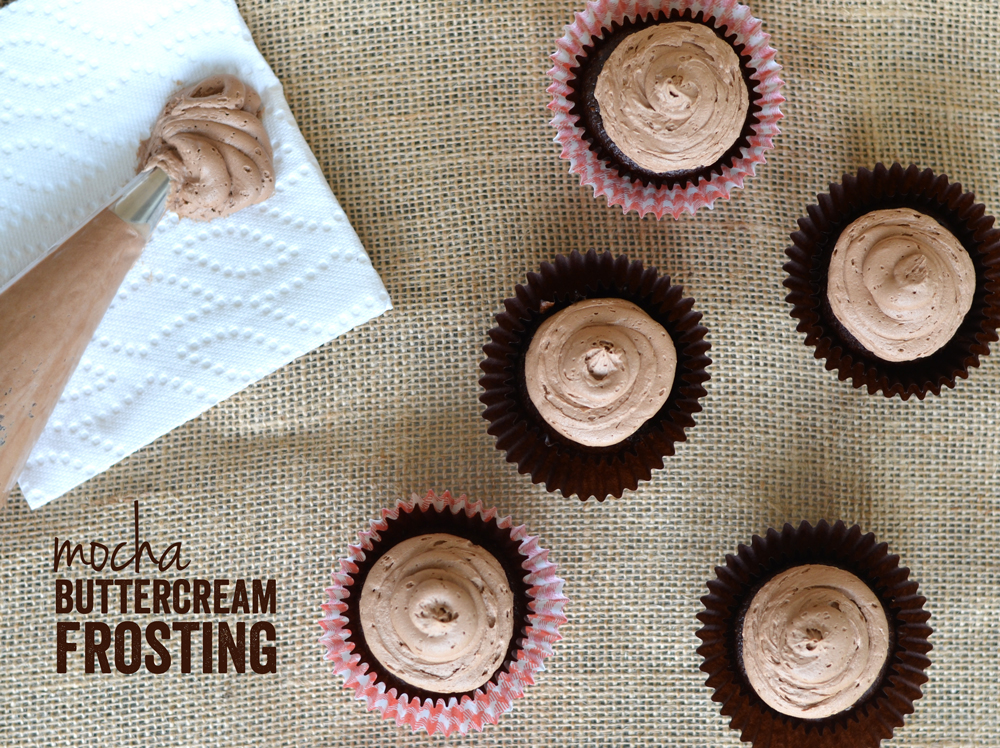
(210, 307)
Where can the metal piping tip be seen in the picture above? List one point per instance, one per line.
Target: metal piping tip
(144, 200)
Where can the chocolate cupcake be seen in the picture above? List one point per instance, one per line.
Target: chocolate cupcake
(442, 614)
(665, 107)
(814, 636)
(593, 372)
(894, 277)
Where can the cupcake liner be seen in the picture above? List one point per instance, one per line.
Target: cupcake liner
(529, 441)
(538, 613)
(698, 188)
(883, 708)
(809, 259)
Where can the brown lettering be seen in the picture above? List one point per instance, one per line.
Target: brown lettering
(96, 649)
(161, 596)
(82, 607)
(264, 599)
(64, 597)
(220, 596)
(236, 650)
(185, 627)
(103, 585)
(206, 647)
(63, 645)
(135, 646)
(158, 627)
(270, 663)
(140, 596)
(201, 590)
(178, 607)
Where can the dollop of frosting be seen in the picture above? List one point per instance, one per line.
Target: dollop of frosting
(437, 612)
(211, 142)
(672, 96)
(599, 369)
(900, 282)
(815, 639)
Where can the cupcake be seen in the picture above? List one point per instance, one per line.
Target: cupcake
(665, 106)
(593, 372)
(442, 614)
(814, 636)
(894, 277)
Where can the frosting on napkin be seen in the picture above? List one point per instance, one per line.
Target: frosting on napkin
(437, 612)
(210, 140)
(815, 639)
(209, 308)
(900, 282)
(599, 369)
(672, 96)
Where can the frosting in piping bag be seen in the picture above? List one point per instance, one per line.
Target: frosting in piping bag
(437, 612)
(599, 369)
(210, 140)
(900, 283)
(672, 96)
(815, 639)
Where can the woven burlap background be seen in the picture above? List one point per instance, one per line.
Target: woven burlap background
(429, 121)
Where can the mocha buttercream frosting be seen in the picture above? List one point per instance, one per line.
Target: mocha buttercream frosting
(437, 612)
(900, 283)
(211, 141)
(672, 97)
(599, 369)
(815, 639)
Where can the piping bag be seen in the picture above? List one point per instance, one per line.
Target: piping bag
(49, 313)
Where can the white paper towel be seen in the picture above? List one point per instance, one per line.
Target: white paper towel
(210, 307)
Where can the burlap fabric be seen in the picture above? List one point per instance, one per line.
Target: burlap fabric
(429, 121)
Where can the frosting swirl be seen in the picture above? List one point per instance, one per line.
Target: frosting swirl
(210, 140)
(900, 283)
(599, 369)
(815, 639)
(437, 612)
(672, 96)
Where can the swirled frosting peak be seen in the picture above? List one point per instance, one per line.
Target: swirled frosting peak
(210, 140)
(599, 369)
(672, 96)
(815, 639)
(901, 283)
(437, 612)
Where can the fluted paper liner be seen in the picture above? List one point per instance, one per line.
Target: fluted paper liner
(693, 189)
(529, 441)
(883, 708)
(538, 613)
(809, 261)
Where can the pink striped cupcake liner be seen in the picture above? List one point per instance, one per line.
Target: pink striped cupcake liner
(538, 605)
(699, 188)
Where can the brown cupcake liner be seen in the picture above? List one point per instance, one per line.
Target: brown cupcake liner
(529, 441)
(883, 708)
(808, 265)
(538, 613)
